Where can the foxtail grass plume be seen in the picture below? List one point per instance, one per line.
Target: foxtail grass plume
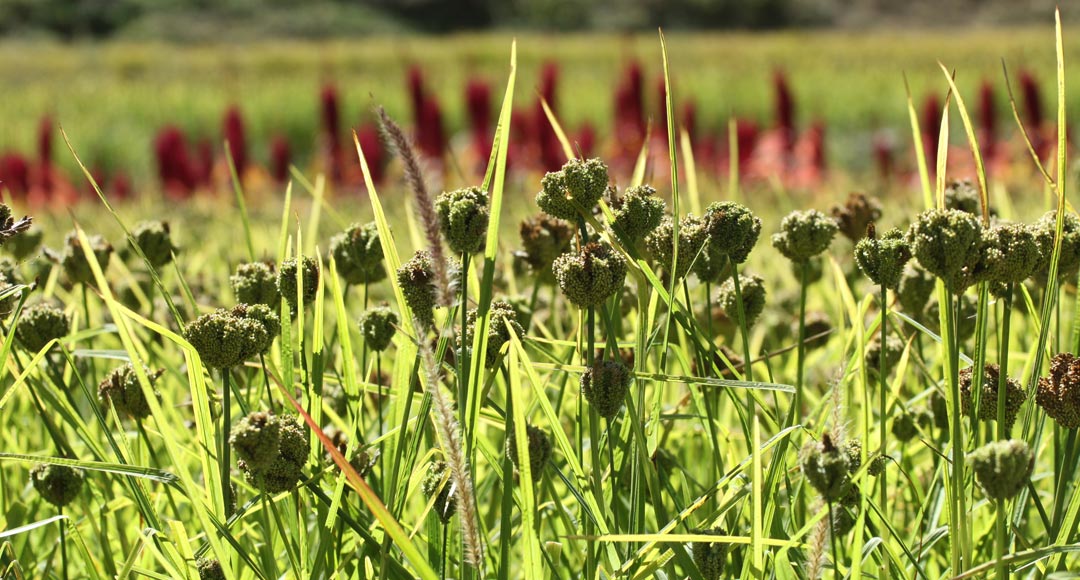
(1002, 468)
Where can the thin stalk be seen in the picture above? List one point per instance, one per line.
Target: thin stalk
(63, 545)
(956, 481)
(1002, 568)
(883, 488)
(1003, 364)
(463, 353)
(226, 490)
(801, 350)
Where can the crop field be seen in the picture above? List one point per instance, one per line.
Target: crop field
(370, 310)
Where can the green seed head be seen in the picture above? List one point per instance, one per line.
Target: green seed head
(1059, 392)
(463, 218)
(905, 426)
(843, 517)
(579, 184)
(502, 314)
(948, 243)
(7, 304)
(605, 385)
(637, 213)
(916, 287)
(988, 399)
(804, 234)
(362, 460)
(265, 316)
(271, 450)
(590, 276)
(417, 280)
(155, 240)
(858, 212)
(883, 258)
(544, 238)
(255, 283)
(57, 484)
(73, 259)
(539, 450)
(709, 557)
(826, 468)
(121, 389)
(962, 195)
(1010, 253)
(25, 244)
(209, 569)
(225, 340)
(853, 449)
(752, 289)
(894, 349)
(358, 254)
(692, 238)
(1069, 262)
(39, 324)
(733, 230)
(437, 484)
(1002, 468)
(286, 282)
(377, 325)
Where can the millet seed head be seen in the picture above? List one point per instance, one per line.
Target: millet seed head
(57, 484)
(224, 340)
(963, 195)
(39, 324)
(265, 316)
(752, 289)
(692, 238)
(882, 258)
(437, 484)
(905, 426)
(463, 218)
(73, 260)
(377, 325)
(732, 230)
(256, 283)
(209, 569)
(590, 276)
(271, 450)
(826, 467)
(804, 234)
(358, 254)
(914, 291)
(1069, 262)
(948, 243)
(155, 239)
(1058, 393)
(1010, 253)
(25, 244)
(286, 282)
(539, 450)
(894, 349)
(503, 314)
(988, 399)
(579, 184)
(604, 385)
(417, 280)
(121, 389)
(709, 557)
(859, 211)
(544, 238)
(637, 213)
(1002, 468)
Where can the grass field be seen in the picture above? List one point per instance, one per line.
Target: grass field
(113, 97)
(600, 421)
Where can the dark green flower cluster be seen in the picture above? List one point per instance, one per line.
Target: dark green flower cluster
(24, 245)
(732, 230)
(1059, 392)
(604, 385)
(590, 276)
(437, 485)
(502, 314)
(894, 349)
(637, 213)
(463, 218)
(358, 254)
(948, 243)
(858, 212)
(752, 289)
(73, 260)
(209, 569)
(7, 304)
(544, 238)
(57, 484)
(539, 450)
(804, 234)
(988, 399)
(1011, 253)
(1069, 262)
(817, 329)
(709, 557)
(966, 316)
(287, 280)
(579, 184)
(692, 239)
(272, 450)
(827, 468)
(41, 323)
(1002, 468)
(155, 240)
(9, 226)
(226, 338)
(883, 258)
(377, 327)
(914, 291)
(963, 195)
(121, 389)
(256, 283)
(417, 280)
(362, 460)
(905, 426)
(845, 512)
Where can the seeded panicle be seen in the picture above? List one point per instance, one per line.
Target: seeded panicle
(752, 289)
(539, 450)
(271, 450)
(414, 176)
(11, 227)
(988, 400)
(255, 283)
(463, 219)
(1059, 392)
(858, 212)
(377, 327)
(804, 234)
(544, 238)
(358, 254)
(948, 244)
(605, 385)
(637, 213)
(590, 276)
(577, 187)
(122, 390)
(155, 239)
(57, 484)
(417, 280)
(286, 282)
(709, 557)
(1002, 468)
(883, 258)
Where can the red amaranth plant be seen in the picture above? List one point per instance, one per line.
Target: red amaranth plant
(173, 162)
(14, 174)
(330, 116)
(280, 157)
(374, 151)
(478, 107)
(784, 109)
(203, 167)
(630, 108)
(931, 126)
(234, 133)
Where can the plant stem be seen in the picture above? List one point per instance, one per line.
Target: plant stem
(999, 546)
(226, 490)
(463, 352)
(63, 545)
(1003, 365)
(801, 349)
(883, 413)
